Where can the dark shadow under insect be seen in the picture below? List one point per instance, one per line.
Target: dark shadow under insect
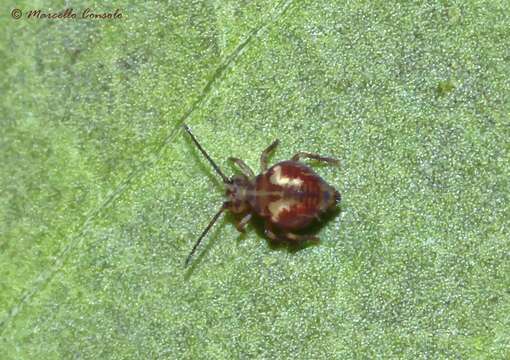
(288, 197)
(258, 225)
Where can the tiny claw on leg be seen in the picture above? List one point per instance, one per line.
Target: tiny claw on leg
(271, 235)
(265, 154)
(242, 223)
(245, 169)
(304, 154)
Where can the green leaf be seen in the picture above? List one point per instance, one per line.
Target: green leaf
(103, 194)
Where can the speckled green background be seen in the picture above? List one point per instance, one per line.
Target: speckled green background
(102, 194)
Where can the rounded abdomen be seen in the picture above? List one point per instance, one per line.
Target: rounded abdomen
(291, 195)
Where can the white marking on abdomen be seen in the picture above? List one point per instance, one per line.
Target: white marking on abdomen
(278, 179)
(277, 207)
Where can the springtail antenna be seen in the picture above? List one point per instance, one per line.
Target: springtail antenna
(223, 177)
(206, 230)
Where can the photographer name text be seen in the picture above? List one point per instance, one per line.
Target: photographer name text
(65, 14)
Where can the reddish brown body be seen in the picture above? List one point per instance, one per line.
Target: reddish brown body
(289, 195)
